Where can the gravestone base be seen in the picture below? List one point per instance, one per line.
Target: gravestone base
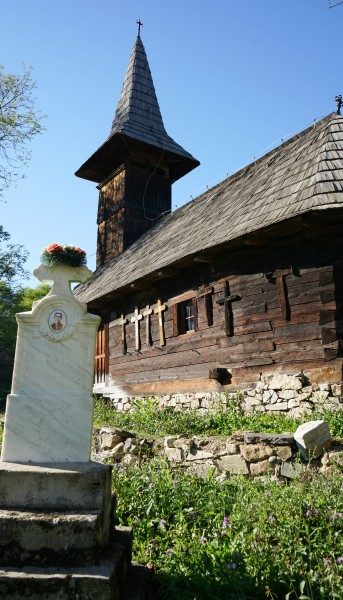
(57, 537)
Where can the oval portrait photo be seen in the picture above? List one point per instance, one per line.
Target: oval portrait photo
(57, 320)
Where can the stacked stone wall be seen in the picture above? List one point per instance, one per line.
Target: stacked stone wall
(293, 395)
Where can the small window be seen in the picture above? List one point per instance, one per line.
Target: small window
(185, 317)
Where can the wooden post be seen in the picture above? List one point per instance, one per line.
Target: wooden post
(122, 323)
(159, 311)
(205, 293)
(136, 320)
(228, 314)
(282, 291)
(146, 314)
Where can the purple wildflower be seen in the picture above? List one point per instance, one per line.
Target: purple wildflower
(268, 494)
(336, 515)
(226, 522)
(340, 560)
(203, 539)
(271, 518)
(223, 532)
(231, 566)
(327, 562)
(162, 522)
(186, 494)
(308, 513)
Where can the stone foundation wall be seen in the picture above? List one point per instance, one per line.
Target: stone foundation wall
(291, 394)
(243, 453)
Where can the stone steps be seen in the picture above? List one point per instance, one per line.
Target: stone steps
(50, 553)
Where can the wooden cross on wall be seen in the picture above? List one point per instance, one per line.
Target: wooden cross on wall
(159, 311)
(228, 313)
(282, 291)
(137, 317)
(205, 292)
(146, 314)
(122, 323)
(279, 274)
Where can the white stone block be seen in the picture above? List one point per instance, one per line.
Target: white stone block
(312, 437)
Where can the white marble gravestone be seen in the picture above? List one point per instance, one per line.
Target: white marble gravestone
(50, 408)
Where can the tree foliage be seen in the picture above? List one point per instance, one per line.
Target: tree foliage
(12, 258)
(12, 302)
(19, 123)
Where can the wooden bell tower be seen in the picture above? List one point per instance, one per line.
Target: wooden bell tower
(136, 166)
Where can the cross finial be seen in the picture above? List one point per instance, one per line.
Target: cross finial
(140, 24)
(339, 102)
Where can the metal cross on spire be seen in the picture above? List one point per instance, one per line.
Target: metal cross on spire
(140, 24)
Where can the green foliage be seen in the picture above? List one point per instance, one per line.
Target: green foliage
(233, 538)
(11, 302)
(19, 123)
(12, 258)
(224, 419)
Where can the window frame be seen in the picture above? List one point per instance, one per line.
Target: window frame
(180, 319)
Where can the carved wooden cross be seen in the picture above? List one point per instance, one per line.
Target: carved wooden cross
(159, 311)
(122, 323)
(146, 313)
(228, 314)
(136, 320)
(205, 292)
(282, 291)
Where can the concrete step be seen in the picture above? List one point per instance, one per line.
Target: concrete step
(55, 538)
(102, 581)
(55, 486)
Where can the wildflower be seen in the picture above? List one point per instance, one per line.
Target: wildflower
(192, 513)
(271, 518)
(223, 532)
(226, 522)
(169, 552)
(203, 539)
(162, 522)
(308, 513)
(268, 494)
(231, 566)
(339, 560)
(327, 562)
(175, 481)
(336, 515)
(186, 494)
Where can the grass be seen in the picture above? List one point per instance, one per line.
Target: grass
(235, 539)
(216, 538)
(148, 420)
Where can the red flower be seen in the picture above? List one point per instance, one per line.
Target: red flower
(55, 248)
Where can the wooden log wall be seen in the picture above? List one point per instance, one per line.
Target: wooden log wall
(264, 337)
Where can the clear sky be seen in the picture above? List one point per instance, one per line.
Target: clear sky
(232, 78)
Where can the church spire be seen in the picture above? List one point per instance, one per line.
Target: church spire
(137, 121)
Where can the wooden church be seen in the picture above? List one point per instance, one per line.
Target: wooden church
(246, 279)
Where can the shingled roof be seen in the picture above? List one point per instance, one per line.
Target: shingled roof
(304, 174)
(138, 120)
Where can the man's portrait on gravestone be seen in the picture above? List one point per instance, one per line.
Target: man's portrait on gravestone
(57, 321)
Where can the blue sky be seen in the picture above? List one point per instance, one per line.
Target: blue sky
(232, 78)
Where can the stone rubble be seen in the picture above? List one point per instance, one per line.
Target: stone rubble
(243, 453)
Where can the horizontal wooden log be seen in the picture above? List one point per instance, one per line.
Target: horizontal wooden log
(258, 346)
(299, 332)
